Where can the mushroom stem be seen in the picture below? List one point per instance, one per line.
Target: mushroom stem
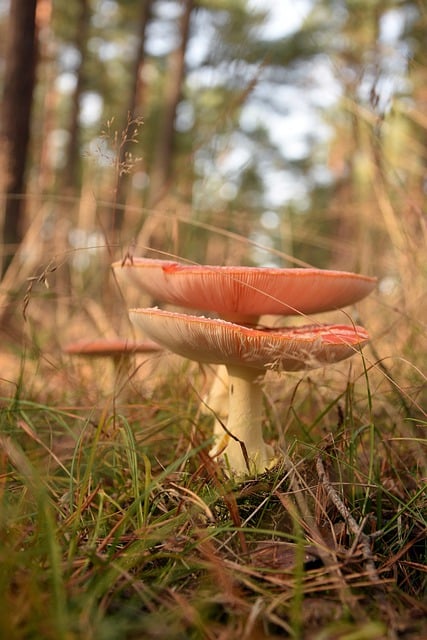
(242, 445)
(216, 400)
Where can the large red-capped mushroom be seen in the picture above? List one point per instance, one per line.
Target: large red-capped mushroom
(241, 294)
(247, 354)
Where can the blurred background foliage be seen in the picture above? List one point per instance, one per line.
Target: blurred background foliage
(218, 131)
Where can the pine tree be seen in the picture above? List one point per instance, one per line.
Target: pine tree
(15, 120)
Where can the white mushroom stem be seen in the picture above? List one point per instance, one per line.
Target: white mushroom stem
(242, 445)
(216, 400)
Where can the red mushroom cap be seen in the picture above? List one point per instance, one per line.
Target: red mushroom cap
(221, 342)
(110, 347)
(240, 293)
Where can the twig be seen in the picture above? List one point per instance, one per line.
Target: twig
(350, 522)
(40, 279)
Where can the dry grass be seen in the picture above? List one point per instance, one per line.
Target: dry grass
(115, 523)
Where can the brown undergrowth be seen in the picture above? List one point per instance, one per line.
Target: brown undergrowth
(116, 523)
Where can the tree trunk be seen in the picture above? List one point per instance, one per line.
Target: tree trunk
(71, 173)
(19, 80)
(130, 124)
(161, 171)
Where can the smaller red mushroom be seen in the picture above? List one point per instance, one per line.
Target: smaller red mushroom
(113, 348)
(119, 350)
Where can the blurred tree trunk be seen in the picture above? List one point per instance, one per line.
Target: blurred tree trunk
(160, 173)
(352, 200)
(19, 81)
(130, 124)
(46, 75)
(70, 178)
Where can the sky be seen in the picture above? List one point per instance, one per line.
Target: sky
(292, 118)
(285, 16)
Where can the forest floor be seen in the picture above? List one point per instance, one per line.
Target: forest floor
(116, 524)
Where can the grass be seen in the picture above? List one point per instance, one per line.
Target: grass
(115, 524)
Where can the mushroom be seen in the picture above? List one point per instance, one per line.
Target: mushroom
(241, 294)
(248, 353)
(215, 400)
(118, 349)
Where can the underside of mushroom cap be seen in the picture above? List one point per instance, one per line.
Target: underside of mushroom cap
(238, 292)
(222, 342)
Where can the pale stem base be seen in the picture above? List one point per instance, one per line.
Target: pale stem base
(244, 425)
(216, 401)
